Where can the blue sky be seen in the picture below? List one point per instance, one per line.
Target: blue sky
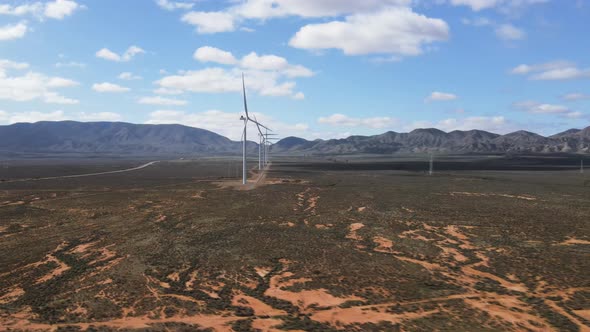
(314, 68)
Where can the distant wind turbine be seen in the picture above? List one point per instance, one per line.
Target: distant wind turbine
(246, 119)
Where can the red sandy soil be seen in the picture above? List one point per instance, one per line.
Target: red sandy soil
(260, 308)
(353, 228)
(573, 241)
(523, 197)
(305, 298)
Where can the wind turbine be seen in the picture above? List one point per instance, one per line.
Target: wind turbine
(431, 170)
(246, 119)
(582, 166)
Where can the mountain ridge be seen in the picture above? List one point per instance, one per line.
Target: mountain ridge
(121, 138)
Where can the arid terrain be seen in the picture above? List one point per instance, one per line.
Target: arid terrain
(315, 245)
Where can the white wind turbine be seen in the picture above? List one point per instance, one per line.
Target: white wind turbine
(246, 119)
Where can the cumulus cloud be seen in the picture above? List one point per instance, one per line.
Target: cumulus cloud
(31, 85)
(173, 5)
(212, 54)
(393, 30)
(440, 96)
(496, 124)
(267, 75)
(36, 116)
(268, 62)
(220, 80)
(265, 9)
(575, 96)
(552, 71)
(109, 88)
(71, 64)
(225, 123)
(210, 22)
(534, 107)
(509, 32)
(127, 76)
(57, 9)
(109, 55)
(158, 100)
(505, 6)
(100, 116)
(341, 120)
(13, 31)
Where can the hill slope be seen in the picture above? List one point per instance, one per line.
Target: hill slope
(434, 140)
(112, 138)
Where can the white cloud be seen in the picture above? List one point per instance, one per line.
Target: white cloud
(392, 30)
(226, 124)
(341, 120)
(71, 64)
(575, 96)
(32, 85)
(509, 32)
(478, 21)
(36, 116)
(127, 76)
(496, 124)
(21, 10)
(100, 116)
(60, 82)
(212, 54)
(252, 61)
(506, 6)
(59, 9)
(539, 108)
(264, 62)
(574, 115)
(220, 80)
(172, 5)
(13, 31)
(107, 54)
(299, 96)
(158, 100)
(552, 71)
(210, 22)
(109, 88)
(440, 96)
(265, 9)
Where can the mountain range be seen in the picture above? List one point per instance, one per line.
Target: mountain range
(117, 138)
(434, 140)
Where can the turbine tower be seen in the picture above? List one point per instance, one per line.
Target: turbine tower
(431, 170)
(582, 166)
(246, 119)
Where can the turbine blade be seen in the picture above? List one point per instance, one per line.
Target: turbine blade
(245, 101)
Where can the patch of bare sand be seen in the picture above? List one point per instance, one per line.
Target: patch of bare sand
(216, 322)
(384, 245)
(584, 313)
(61, 268)
(469, 194)
(12, 295)
(501, 309)
(355, 315)
(262, 271)
(353, 228)
(574, 241)
(305, 298)
(267, 324)
(260, 308)
(174, 276)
